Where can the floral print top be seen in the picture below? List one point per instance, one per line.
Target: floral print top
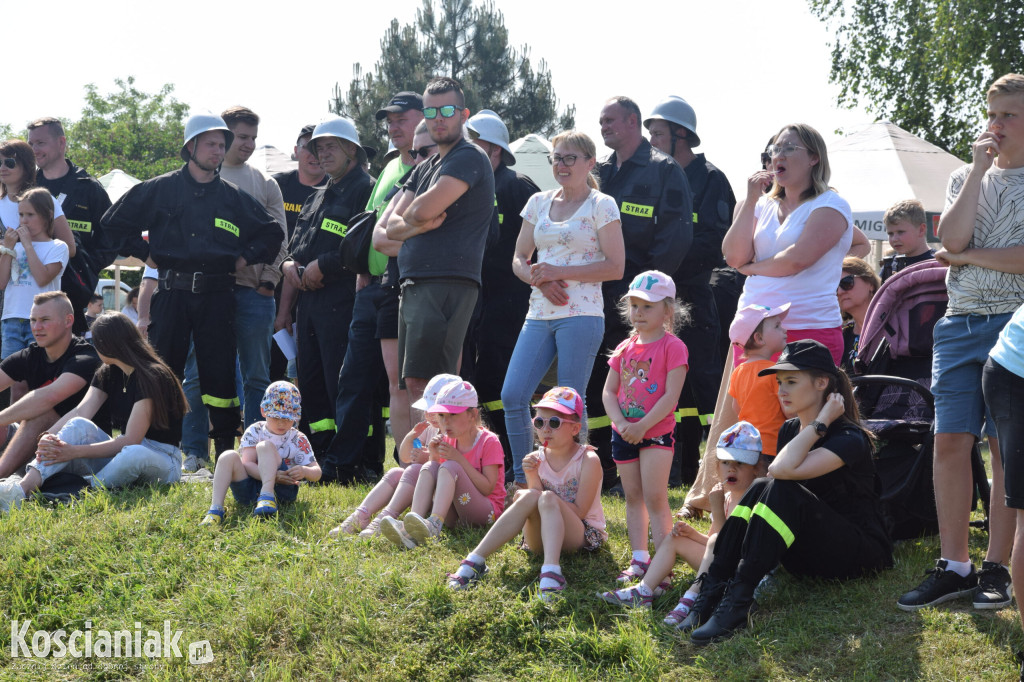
(569, 242)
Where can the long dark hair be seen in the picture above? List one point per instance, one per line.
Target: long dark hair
(23, 154)
(840, 383)
(115, 336)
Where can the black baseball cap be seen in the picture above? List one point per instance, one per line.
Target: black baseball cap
(801, 355)
(403, 101)
(306, 130)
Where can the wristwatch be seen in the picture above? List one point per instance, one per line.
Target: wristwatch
(820, 427)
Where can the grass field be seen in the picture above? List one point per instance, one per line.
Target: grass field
(277, 601)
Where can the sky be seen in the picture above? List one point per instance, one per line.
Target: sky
(746, 67)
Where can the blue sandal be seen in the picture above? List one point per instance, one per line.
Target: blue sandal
(266, 505)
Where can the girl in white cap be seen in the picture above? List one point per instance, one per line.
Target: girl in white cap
(463, 481)
(393, 494)
(640, 396)
(560, 509)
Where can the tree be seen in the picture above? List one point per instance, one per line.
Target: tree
(924, 64)
(138, 132)
(454, 38)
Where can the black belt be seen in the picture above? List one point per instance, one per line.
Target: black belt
(196, 282)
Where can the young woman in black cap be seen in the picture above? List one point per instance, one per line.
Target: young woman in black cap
(818, 514)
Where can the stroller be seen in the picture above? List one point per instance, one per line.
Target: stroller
(891, 382)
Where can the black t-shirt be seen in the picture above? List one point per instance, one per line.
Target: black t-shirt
(32, 366)
(894, 263)
(851, 490)
(123, 392)
(295, 195)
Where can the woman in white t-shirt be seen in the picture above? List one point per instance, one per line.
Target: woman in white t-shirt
(31, 262)
(792, 240)
(577, 235)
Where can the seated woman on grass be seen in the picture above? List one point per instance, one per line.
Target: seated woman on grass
(145, 403)
(560, 509)
(819, 515)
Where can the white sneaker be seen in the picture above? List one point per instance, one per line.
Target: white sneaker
(420, 529)
(394, 530)
(190, 464)
(11, 494)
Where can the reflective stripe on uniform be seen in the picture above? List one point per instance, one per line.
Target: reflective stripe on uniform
(220, 402)
(741, 512)
(598, 422)
(705, 419)
(695, 216)
(493, 406)
(777, 524)
(385, 412)
(323, 425)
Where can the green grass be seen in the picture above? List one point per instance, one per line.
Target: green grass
(279, 601)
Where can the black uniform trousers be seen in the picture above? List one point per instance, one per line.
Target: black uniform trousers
(779, 521)
(358, 445)
(321, 335)
(703, 376)
(181, 318)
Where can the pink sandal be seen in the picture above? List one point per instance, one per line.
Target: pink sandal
(546, 594)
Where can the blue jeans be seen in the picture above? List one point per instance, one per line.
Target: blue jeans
(575, 341)
(17, 334)
(147, 462)
(254, 325)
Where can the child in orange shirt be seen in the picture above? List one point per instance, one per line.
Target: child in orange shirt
(758, 330)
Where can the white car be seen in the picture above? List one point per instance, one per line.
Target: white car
(107, 288)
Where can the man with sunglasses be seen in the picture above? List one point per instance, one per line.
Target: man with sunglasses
(322, 290)
(673, 129)
(656, 206)
(443, 224)
(504, 298)
(356, 453)
(84, 201)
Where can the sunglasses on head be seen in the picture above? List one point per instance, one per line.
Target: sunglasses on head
(423, 151)
(554, 422)
(447, 111)
(846, 283)
(9, 163)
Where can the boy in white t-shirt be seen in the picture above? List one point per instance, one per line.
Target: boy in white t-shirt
(273, 458)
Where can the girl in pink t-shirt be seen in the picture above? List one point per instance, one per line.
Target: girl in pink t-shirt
(560, 509)
(463, 481)
(640, 397)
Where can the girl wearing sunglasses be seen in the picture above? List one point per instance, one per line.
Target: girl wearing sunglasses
(560, 509)
(856, 288)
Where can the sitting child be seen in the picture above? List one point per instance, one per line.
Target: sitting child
(907, 227)
(758, 330)
(273, 457)
(560, 509)
(463, 483)
(395, 489)
(739, 454)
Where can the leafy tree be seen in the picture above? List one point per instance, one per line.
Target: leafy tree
(924, 64)
(454, 38)
(138, 132)
(6, 132)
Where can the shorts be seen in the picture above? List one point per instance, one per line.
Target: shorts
(624, 453)
(433, 317)
(387, 313)
(1004, 395)
(962, 344)
(593, 538)
(248, 489)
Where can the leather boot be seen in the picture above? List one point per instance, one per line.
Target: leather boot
(731, 614)
(711, 590)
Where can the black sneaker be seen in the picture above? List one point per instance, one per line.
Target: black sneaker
(941, 585)
(994, 588)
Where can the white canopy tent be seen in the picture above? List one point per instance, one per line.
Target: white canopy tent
(531, 154)
(117, 183)
(875, 167)
(271, 160)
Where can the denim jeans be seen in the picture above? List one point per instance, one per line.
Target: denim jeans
(148, 462)
(574, 340)
(254, 325)
(17, 334)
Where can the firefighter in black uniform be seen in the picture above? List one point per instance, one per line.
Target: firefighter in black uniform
(504, 298)
(313, 275)
(656, 207)
(673, 129)
(201, 229)
(84, 202)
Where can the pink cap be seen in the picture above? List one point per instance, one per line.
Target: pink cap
(652, 286)
(433, 388)
(746, 321)
(455, 398)
(563, 399)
